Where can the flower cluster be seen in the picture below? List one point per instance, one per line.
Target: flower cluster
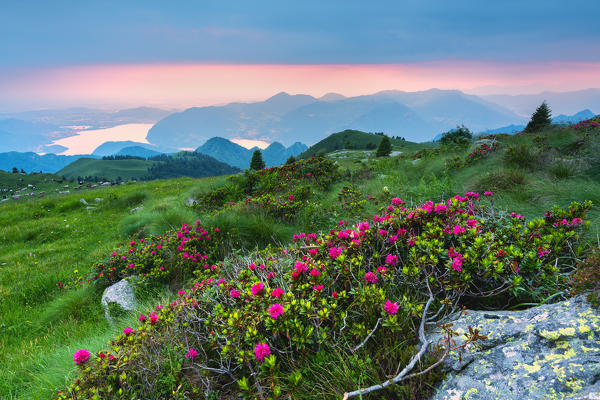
(268, 319)
(588, 124)
(172, 256)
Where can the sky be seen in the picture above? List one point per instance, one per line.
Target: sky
(177, 54)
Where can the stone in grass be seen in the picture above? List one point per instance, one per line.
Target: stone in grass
(546, 352)
(118, 299)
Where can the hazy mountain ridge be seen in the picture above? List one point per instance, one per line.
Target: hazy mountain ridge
(559, 102)
(418, 116)
(33, 162)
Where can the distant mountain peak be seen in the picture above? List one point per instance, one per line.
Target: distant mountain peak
(278, 96)
(331, 96)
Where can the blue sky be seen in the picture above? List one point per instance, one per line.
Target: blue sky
(61, 33)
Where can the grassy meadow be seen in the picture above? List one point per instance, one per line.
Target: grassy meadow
(56, 239)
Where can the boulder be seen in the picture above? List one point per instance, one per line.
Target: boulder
(546, 352)
(121, 293)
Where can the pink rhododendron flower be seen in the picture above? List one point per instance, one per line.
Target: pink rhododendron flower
(276, 310)
(142, 317)
(472, 223)
(252, 267)
(181, 292)
(261, 351)
(381, 269)
(234, 293)
(457, 263)
(363, 226)
(318, 288)
(334, 252)
(81, 356)
(440, 208)
(191, 353)
(391, 308)
(343, 235)
(153, 318)
(127, 331)
(371, 277)
(257, 288)
(277, 292)
(391, 259)
(488, 193)
(314, 272)
(301, 267)
(457, 230)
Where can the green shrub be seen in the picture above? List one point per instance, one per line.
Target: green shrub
(273, 326)
(562, 170)
(500, 180)
(522, 156)
(460, 136)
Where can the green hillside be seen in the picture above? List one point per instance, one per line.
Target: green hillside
(131, 169)
(353, 140)
(254, 228)
(162, 166)
(42, 182)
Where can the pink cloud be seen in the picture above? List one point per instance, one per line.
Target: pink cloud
(184, 85)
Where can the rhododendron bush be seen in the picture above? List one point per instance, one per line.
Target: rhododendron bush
(171, 257)
(363, 292)
(278, 191)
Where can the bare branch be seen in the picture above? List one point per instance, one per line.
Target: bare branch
(402, 375)
(367, 338)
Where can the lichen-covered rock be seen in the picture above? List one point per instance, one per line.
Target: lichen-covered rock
(547, 352)
(120, 294)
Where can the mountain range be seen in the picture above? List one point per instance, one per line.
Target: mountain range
(233, 154)
(285, 118)
(417, 116)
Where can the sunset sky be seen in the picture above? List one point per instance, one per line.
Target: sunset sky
(178, 54)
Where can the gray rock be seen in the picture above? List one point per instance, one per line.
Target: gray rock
(120, 293)
(190, 202)
(85, 203)
(547, 352)
(134, 210)
(98, 199)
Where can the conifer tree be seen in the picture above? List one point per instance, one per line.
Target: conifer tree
(257, 161)
(291, 160)
(540, 119)
(385, 147)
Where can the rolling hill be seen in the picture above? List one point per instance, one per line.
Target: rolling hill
(110, 169)
(350, 139)
(161, 166)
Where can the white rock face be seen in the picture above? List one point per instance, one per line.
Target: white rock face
(120, 293)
